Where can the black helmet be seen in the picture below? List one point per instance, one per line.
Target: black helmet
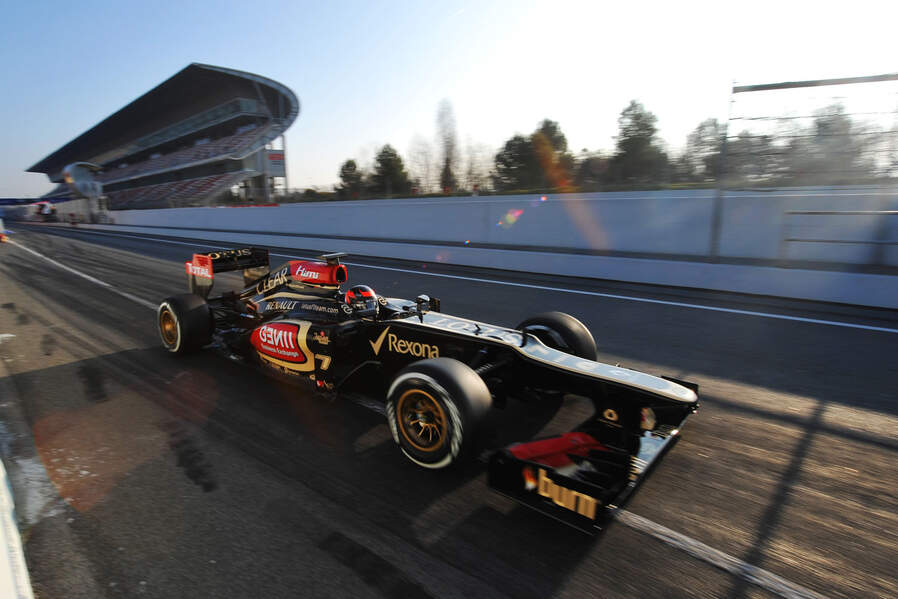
(362, 300)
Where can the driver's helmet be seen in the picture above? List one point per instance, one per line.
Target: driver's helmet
(362, 300)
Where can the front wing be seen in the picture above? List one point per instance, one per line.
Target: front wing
(575, 477)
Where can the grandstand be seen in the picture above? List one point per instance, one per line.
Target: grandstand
(186, 142)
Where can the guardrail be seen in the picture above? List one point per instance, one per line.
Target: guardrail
(879, 239)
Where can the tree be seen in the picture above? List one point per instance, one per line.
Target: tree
(550, 146)
(639, 157)
(700, 160)
(478, 162)
(516, 166)
(389, 176)
(351, 179)
(552, 132)
(421, 163)
(753, 158)
(592, 171)
(834, 149)
(540, 161)
(448, 144)
(448, 182)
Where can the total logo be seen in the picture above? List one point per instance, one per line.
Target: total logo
(403, 346)
(199, 271)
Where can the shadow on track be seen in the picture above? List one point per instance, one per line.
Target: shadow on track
(340, 450)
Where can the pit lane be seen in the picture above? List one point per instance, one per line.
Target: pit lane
(224, 483)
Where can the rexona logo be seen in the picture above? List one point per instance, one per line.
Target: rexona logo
(278, 340)
(402, 346)
(566, 498)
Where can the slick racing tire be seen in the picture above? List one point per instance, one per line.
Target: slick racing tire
(184, 323)
(562, 332)
(435, 409)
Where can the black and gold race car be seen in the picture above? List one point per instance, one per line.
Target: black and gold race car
(439, 375)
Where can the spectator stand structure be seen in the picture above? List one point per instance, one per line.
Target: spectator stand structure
(186, 142)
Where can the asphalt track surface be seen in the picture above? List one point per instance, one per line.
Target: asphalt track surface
(154, 476)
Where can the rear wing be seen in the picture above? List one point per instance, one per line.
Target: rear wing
(202, 268)
(581, 477)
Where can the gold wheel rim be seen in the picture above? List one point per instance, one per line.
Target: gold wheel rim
(422, 420)
(169, 327)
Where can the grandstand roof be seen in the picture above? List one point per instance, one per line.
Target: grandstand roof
(194, 88)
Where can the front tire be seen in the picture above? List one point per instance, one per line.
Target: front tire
(184, 323)
(435, 409)
(562, 332)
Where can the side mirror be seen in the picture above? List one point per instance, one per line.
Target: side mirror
(422, 302)
(425, 303)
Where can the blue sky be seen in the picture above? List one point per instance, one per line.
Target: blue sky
(369, 73)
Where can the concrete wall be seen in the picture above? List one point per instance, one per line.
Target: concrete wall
(632, 233)
(755, 222)
(660, 222)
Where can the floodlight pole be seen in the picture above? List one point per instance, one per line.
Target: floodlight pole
(284, 146)
(717, 205)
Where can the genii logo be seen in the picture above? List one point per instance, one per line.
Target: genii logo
(279, 340)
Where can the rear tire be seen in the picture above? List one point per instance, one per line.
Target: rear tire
(435, 409)
(562, 332)
(184, 323)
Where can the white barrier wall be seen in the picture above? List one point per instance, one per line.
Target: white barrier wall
(644, 237)
(658, 222)
(753, 223)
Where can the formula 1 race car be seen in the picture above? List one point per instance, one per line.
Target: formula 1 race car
(438, 375)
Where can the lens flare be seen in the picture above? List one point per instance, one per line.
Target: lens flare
(510, 218)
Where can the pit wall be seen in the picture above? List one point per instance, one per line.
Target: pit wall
(661, 237)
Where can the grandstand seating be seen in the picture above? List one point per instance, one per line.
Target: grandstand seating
(61, 190)
(170, 133)
(175, 193)
(214, 149)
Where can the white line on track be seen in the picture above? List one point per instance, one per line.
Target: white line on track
(764, 579)
(629, 298)
(111, 288)
(758, 576)
(834, 323)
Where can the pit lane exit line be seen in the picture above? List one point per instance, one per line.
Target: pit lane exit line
(724, 561)
(124, 294)
(833, 323)
(758, 576)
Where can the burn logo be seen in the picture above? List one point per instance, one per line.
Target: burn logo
(569, 499)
